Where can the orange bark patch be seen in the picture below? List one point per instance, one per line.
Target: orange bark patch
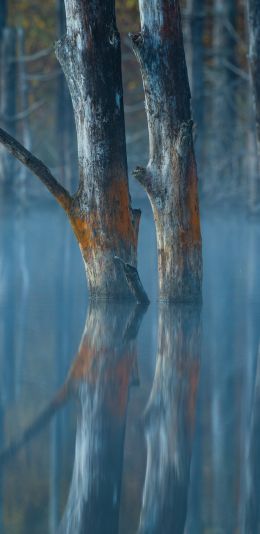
(105, 230)
(192, 236)
(120, 221)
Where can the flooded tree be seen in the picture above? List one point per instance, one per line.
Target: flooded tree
(170, 178)
(100, 212)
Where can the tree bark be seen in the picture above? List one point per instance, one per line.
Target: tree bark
(254, 63)
(170, 178)
(102, 217)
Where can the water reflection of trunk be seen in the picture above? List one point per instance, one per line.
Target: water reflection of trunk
(170, 421)
(100, 378)
(253, 475)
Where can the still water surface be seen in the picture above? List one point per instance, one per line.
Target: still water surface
(116, 420)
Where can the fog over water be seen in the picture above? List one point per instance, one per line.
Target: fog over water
(159, 426)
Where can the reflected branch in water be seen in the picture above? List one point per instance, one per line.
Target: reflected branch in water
(63, 394)
(169, 420)
(100, 379)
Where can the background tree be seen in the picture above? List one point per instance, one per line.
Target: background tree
(254, 62)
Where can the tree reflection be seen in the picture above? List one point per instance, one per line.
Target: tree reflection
(169, 421)
(100, 379)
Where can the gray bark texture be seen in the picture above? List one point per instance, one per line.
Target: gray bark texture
(170, 178)
(254, 62)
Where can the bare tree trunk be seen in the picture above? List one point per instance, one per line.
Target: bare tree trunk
(8, 98)
(24, 104)
(102, 217)
(100, 212)
(3, 16)
(170, 178)
(224, 97)
(67, 148)
(196, 11)
(254, 62)
(170, 419)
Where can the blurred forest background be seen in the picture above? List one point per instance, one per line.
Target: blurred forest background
(42, 281)
(36, 106)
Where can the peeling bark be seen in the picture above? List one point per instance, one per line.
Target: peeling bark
(170, 178)
(254, 62)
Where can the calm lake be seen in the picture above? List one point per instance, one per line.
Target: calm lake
(115, 419)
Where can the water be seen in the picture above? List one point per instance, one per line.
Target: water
(158, 426)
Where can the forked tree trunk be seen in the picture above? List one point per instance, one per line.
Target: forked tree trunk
(170, 178)
(102, 217)
(254, 62)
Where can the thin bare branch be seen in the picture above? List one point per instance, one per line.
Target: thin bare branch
(34, 57)
(23, 114)
(37, 167)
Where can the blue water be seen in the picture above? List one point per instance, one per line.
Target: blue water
(159, 427)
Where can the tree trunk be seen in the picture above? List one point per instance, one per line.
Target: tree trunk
(196, 13)
(100, 212)
(224, 96)
(3, 16)
(170, 178)
(254, 62)
(101, 215)
(170, 420)
(24, 105)
(66, 135)
(8, 98)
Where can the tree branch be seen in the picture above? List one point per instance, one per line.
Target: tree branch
(133, 280)
(37, 167)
